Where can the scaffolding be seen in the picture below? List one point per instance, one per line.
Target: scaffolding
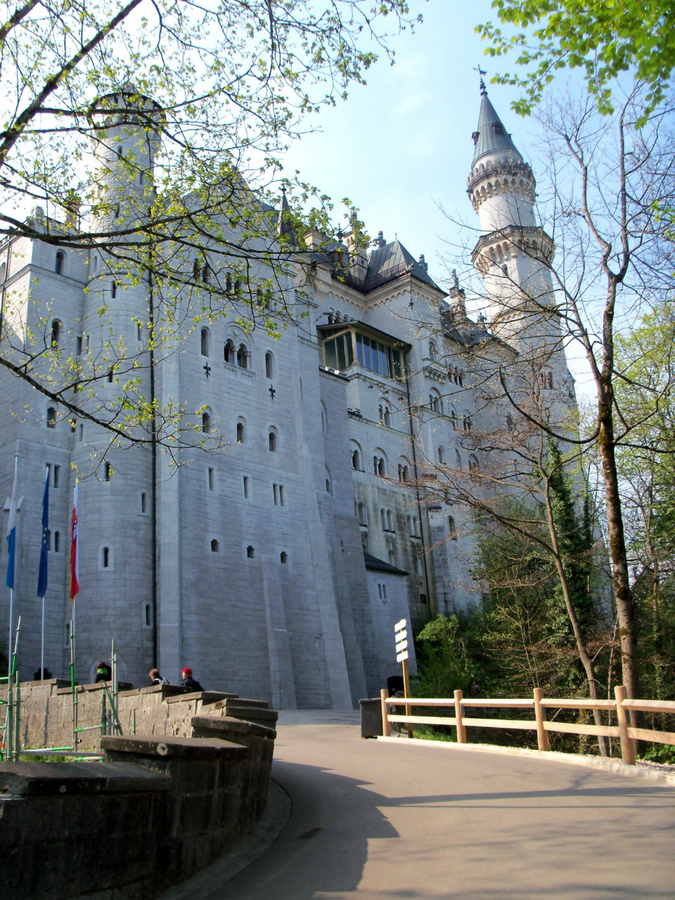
(109, 722)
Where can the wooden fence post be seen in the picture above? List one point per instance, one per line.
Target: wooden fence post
(461, 729)
(386, 727)
(627, 743)
(540, 715)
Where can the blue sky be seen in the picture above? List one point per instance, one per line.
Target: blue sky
(400, 147)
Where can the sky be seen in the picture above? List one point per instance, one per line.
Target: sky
(400, 147)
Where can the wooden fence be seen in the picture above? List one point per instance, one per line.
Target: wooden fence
(620, 707)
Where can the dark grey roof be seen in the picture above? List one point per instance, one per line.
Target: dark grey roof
(390, 262)
(379, 565)
(491, 134)
(457, 326)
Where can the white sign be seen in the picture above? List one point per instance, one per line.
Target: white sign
(401, 638)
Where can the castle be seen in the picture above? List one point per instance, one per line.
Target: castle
(306, 515)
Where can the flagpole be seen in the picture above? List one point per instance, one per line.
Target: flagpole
(43, 570)
(11, 561)
(42, 642)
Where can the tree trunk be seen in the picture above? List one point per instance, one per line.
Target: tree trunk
(617, 547)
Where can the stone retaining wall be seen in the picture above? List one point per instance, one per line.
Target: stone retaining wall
(153, 812)
(47, 711)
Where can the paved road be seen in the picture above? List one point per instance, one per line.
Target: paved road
(394, 819)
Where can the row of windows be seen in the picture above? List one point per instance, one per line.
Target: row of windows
(235, 355)
(380, 464)
(459, 424)
(387, 520)
(472, 464)
(272, 433)
(106, 559)
(340, 352)
(455, 375)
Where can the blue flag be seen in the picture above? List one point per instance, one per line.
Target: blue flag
(44, 548)
(11, 533)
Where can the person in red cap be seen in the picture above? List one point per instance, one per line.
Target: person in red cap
(188, 681)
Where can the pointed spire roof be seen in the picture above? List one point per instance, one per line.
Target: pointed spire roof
(285, 221)
(491, 136)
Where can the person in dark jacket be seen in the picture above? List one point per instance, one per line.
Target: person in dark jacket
(188, 681)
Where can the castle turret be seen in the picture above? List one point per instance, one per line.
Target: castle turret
(514, 256)
(514, 253)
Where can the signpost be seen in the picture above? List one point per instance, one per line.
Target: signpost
(401, 638)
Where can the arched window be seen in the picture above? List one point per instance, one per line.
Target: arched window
(452, 529)
(105, 557)
(283, 557)
(269, 364)
(385, 414)
(242, 357)
(362, 514)
(432, 351)
(440, 455)
(214, 546)
(403, 473)
(272, 440)
(51, 417)
(474, 465)
(466, 422)
(144, 502)
(250, 552)
(107, 471)
(435, 401)
(379, 466)
(113, 289)
(80, 432)
(146, 615)
(453, 420)
(56, 333)
(206, 342)
(230, 353)
(240, 432)
(206, 273)
(60, 262)
(206, 422)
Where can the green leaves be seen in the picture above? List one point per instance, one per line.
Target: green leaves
(601, 38)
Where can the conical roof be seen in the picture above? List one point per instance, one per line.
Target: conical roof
(491, 136)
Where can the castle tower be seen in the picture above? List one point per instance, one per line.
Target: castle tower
(514, 256)
(117, 502)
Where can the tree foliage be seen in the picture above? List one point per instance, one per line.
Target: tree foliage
(187, 107)
(603, 38)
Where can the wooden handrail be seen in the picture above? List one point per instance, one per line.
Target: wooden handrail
(623, 730)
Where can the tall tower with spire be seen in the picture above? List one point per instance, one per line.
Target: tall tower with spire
(514, 253)
(514, 256)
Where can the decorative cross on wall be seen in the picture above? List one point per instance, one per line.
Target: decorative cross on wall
(207, 369)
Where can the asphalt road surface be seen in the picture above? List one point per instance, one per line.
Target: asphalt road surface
(400, 819)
